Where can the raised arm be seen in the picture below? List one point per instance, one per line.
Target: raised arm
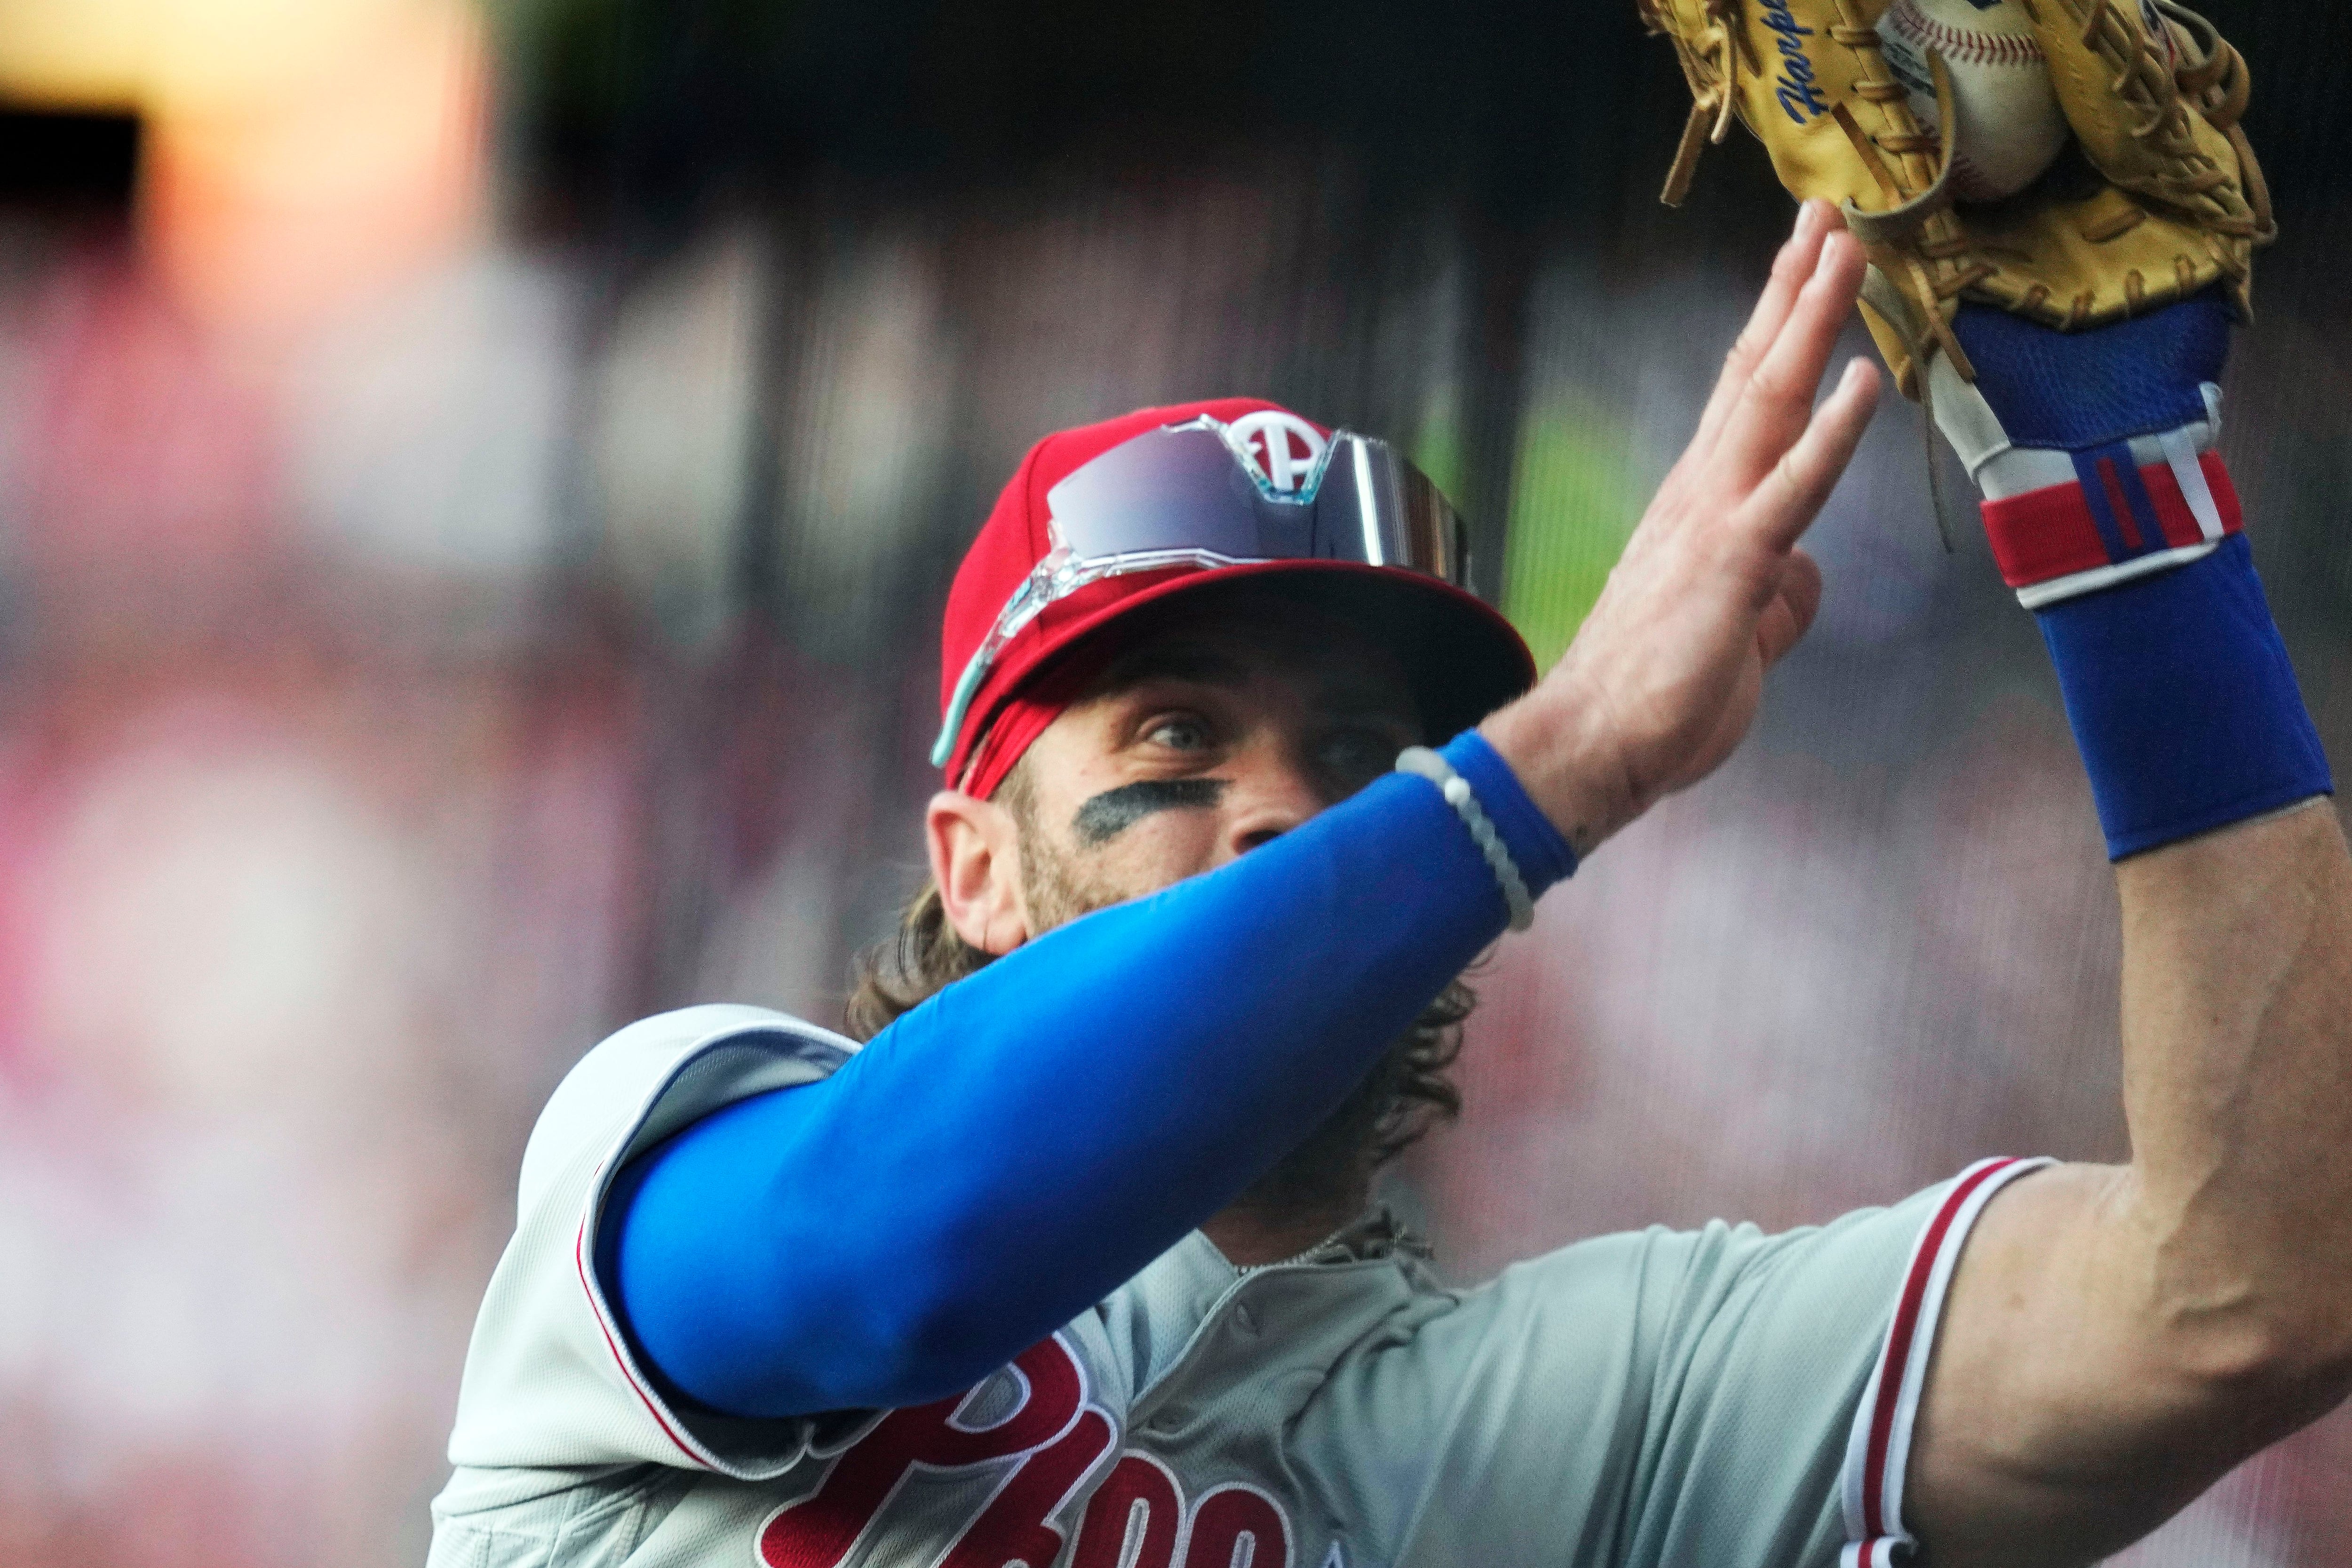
(2117, 1338)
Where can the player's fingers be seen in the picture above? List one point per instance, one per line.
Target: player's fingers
(1791, 268)
(1778, 400)
(1783, 503)
(1791, 614)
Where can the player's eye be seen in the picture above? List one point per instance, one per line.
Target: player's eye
(1178, 732)
(1354, 757)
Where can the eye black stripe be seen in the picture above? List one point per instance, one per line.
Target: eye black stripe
(1114, 811)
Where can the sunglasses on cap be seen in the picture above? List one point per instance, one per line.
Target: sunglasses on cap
(1193, 495)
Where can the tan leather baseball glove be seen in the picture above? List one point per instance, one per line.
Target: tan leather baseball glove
(2159, 197)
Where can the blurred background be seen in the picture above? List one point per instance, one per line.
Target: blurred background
(477, 489)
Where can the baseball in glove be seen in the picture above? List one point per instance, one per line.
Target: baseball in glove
(2157, 197)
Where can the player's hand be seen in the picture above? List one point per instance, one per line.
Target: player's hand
(1665, 677)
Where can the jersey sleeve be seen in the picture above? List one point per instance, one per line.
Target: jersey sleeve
(1878, 1439)
(549, 1379)
(1665, 1398)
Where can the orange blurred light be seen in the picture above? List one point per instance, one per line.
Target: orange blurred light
(297, 152)
(276, 210)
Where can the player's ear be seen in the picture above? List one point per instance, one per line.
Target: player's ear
(975, 852)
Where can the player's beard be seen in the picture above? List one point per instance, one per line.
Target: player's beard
(1331, 1168)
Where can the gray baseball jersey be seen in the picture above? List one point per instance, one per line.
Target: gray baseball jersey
(1716, 1397)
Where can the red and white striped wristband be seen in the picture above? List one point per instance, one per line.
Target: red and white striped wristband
(2069, 522)
(2114, 518)
(1878, 1448)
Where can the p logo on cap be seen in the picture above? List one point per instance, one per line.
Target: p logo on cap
(1284, 446)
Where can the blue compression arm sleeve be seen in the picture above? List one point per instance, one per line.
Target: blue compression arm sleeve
(1009, 1153)
(2183, 703)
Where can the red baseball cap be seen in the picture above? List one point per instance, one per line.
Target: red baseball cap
(998, 691)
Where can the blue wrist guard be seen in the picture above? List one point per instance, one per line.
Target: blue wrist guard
(2112, 517)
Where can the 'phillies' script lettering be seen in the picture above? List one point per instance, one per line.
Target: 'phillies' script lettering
(1054, 1434)
(1052, 1440)
(1798, 95)
(1140, 1500)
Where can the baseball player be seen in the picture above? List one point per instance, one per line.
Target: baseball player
(1070, 1263)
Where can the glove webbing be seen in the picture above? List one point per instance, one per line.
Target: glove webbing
(2152, 84)
(2217, 81)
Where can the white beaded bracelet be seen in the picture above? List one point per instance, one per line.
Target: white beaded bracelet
(1458, 795)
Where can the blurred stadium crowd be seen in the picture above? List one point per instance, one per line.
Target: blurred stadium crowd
(475, 496)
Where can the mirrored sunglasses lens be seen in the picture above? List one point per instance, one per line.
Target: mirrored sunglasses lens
(1185, 491)
(1377, 508)
(1430, 535)
(1167, 489)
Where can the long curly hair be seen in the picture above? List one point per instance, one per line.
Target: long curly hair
(1404, 1095)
